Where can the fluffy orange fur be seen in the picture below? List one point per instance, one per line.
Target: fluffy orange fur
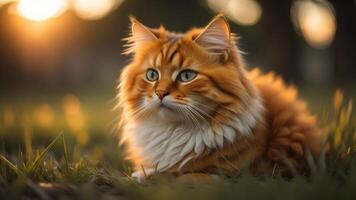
(223, 119)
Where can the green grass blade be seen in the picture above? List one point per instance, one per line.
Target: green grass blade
(11, 166)
(322, 160)
(27, 131)
(311, 162)
(65, 152)
(291, 167)
(39, 159)
(38, 190)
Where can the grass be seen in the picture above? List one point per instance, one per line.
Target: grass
(60, 152)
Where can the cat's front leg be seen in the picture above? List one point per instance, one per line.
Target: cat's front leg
(141, 175)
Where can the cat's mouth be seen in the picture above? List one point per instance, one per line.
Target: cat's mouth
(164, 107)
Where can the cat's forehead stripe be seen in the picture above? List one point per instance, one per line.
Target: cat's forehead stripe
(177, 60)
(171, 52)
(164, 49)
(186, 62)
(158, 60)
(170, 55)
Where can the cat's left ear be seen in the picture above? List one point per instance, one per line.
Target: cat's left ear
(140, 34)
(215, 38)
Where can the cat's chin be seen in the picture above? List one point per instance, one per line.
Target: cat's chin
(167, 113)
(165, 108)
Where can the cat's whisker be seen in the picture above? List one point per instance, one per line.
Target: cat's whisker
(191, 118)
(202, 104)
(186, 117)
(141, 112)
(194, 115)
(206, 114)
(214, 109)
(230, 109)
(138, 111)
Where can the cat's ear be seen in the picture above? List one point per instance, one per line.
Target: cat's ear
(140, 34)
(215, 38)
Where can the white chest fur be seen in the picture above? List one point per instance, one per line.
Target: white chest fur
(161, 144)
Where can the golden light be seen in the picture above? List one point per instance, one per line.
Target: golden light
(316, 21)
(75, 118)
(44, 115)
(94, 9)
(9, 116)
(3, 2)
(243, 12)
(41, 10)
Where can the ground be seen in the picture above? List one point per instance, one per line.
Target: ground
(64, 146)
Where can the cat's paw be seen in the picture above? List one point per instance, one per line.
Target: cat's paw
(141, 175)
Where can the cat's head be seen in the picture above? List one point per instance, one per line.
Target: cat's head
(193, 76)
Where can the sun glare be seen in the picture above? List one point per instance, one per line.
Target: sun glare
(316, 22)
(41, 10)
(4, 2)
(94, 9)
(243, 12)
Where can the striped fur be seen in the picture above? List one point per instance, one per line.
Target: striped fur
(223, 119)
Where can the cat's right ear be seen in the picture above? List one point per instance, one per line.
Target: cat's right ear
(215, 38)
(140, 34)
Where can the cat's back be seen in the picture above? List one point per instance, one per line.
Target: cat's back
(290, 127)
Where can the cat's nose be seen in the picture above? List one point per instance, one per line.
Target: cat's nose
(161, 94)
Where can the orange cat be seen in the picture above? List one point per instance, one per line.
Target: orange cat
(190, 106)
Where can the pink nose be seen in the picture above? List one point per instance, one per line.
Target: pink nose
(161, 94)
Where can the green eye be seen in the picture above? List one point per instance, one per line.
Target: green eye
(152, 75)
(186, 75)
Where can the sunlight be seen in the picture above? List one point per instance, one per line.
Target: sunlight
(315, 21)
(4, 2)
(243, 12)
(94, 9)
(75, 118)
(9, 116)
(41, 10)
(44, 115)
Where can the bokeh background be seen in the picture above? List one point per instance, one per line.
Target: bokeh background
(60, 59)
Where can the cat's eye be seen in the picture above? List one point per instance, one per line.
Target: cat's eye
(186, 75)
(152, 75)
